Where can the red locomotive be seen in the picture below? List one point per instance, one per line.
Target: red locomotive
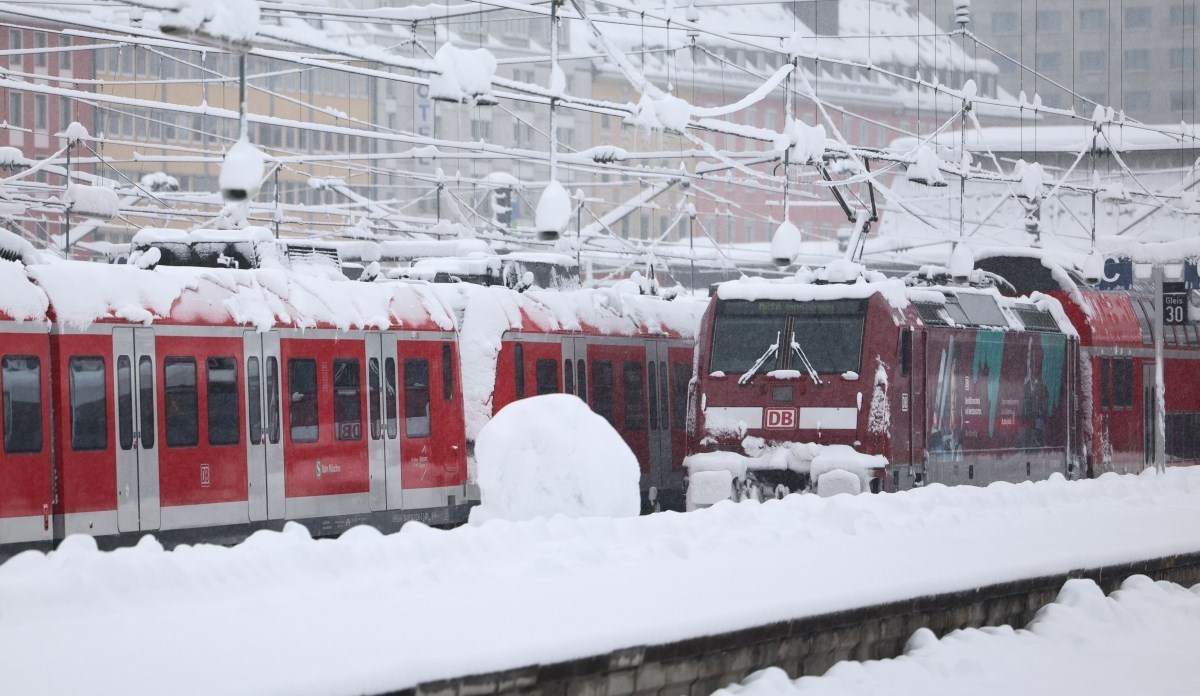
(201, 404)
(927, 382)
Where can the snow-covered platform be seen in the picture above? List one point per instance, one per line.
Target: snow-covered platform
(282, 613)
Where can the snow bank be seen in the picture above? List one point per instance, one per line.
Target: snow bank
(551, 455)
(1139, 639)
(507, 595)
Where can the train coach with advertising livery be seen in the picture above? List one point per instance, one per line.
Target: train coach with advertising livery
(1114, 314)
(901, 385)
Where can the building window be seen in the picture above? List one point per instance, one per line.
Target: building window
(1137, 17)
(1182, 58)
(64, 56)
(1049, 20)
(40, 119)
(1137, 59)
(1183, 101)
(1183, 15)
(16, 109)
(1048, 62)
(1092, 61)
(39, 46)
(1137, 101)
(14, 44)
(1092, 19)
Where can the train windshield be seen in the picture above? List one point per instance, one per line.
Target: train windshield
(829, 332)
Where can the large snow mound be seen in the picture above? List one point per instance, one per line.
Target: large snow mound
(549, 455)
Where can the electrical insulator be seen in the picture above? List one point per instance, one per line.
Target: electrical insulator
(962, 12)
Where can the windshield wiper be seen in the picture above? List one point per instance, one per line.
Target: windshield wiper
(771, 350)
(808, 366)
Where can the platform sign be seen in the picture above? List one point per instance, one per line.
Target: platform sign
(1175, 304)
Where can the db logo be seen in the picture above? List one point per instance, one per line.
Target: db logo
(781, 418)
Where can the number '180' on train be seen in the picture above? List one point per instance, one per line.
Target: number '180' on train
(904, 383)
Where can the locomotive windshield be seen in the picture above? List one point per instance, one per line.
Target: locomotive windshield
(828, 331)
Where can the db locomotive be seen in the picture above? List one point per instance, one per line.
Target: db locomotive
(908, 383)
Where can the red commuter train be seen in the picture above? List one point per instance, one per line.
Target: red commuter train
(202, 404)
(925, 382)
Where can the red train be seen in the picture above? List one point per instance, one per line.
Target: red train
(207, 403)
(949, 384)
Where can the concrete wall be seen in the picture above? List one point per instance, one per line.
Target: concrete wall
(805, 646)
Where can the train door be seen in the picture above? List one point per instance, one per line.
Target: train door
(917, 413)
(1149, 416)
(138, 503)
(264, 446)
(432, 433)
(659, 414)
(382, 418)
(574, 364)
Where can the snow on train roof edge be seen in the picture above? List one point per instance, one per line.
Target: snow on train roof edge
(21, 300)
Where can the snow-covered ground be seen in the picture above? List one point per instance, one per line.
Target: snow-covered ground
(282, 613)
(1140, 639)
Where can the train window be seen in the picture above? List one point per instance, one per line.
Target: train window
(955, 311)
(1143, 314)
(635, 395)
(931, 313)
(652, 381)
(905, 351)
(389, 405)
(416, 397)
(547, 376)
(447, 373)
(254, 400)
(663, 402)
(1123, 383)
(273, 400)
(740, 341)
(347, 400)
(602, 391)
(302, 398)
(89, 404)
(1105, 383)
(568, 377)
(682, 375)
(179, 400)
(581, 380)
(21, 381)
(146, 400)
(124, 403)
(831, 343)
(223, 425)
(982, 310)
(519, 369)
(1036, 319)
(373, 396)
